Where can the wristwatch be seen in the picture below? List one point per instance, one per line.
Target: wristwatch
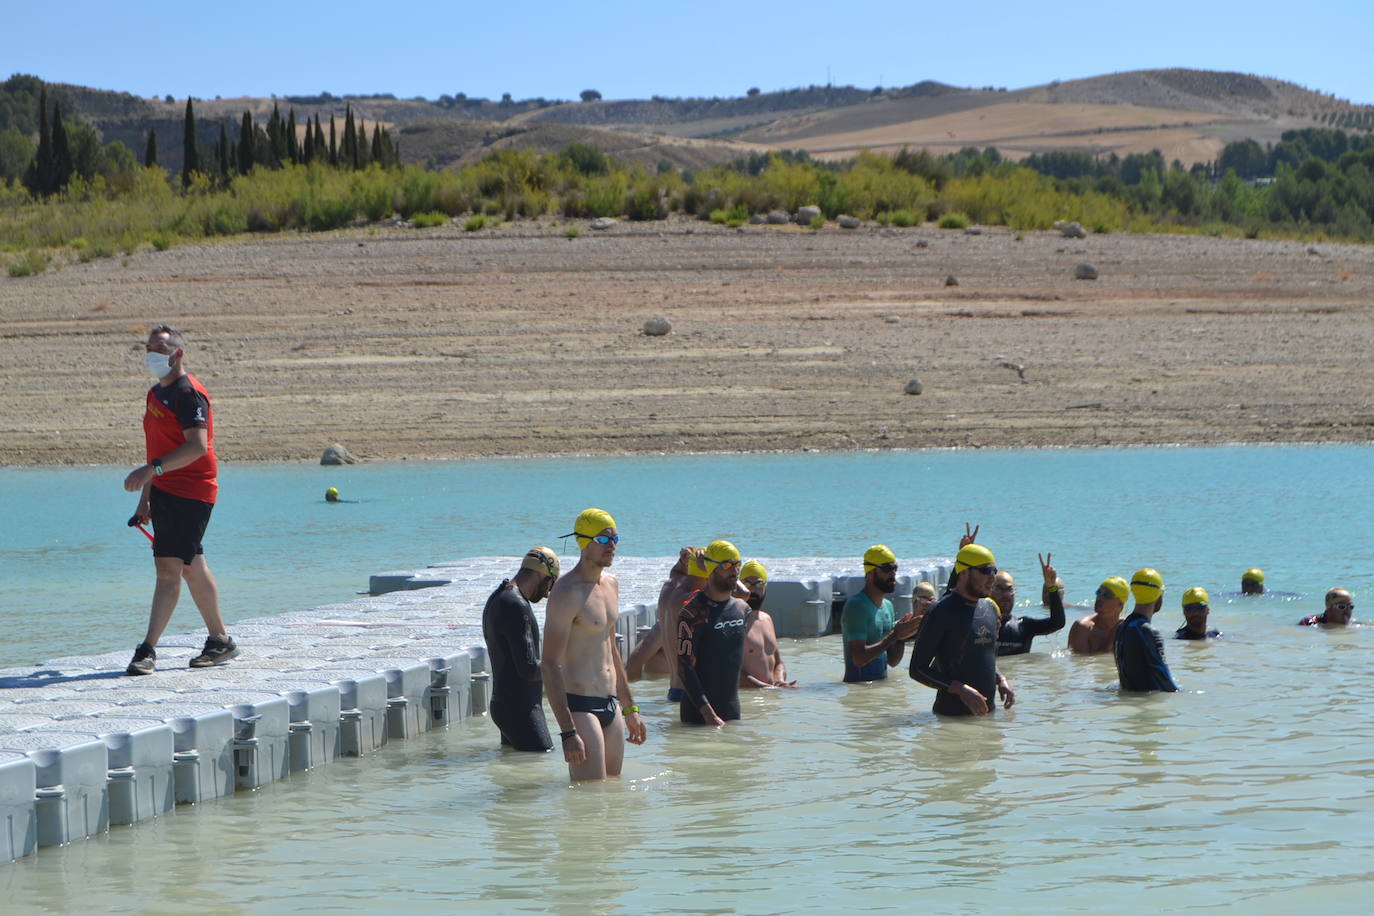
(157, 466)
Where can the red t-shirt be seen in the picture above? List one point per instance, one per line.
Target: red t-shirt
(182, 405)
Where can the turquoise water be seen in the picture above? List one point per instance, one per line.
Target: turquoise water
(76, 579)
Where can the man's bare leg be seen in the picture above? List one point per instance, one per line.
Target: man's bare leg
(589, 730)
(614, 736)
(205, 593)
(165, 595)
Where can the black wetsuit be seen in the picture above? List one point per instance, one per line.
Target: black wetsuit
(710, 656)
(957, 642)
(1016, 634)
(517, 687)
(1139, 653)
(1184, 633)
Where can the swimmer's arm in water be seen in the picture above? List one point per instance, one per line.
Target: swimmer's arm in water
(651, 642)
(558, 618)
(1004, 691)
(690, 621)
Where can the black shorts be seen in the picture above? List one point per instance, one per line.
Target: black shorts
(178, 525)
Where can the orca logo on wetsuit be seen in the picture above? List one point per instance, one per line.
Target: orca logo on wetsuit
(722, 624)
(983, 636)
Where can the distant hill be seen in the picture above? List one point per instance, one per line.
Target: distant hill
(1186, 114)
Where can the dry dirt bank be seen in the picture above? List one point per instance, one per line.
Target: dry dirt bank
(439, 343)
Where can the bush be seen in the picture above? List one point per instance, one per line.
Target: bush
(954, 220)
(475, 222)
(571, 232)
(162, 240)
(817, 222)
(33, 262)
(904, 218)
(429, 219)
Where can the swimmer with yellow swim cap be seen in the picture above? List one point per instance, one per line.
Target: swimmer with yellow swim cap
(1252, 581)
(1138, 649)
(331, 495)
(1096, 633)
(584, 677)
(956, 649)
(763, 665)
(1195, 609)
(653, 655)
(710, 642)
(873, 640)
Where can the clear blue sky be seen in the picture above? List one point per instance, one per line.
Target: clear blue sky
(535, 48)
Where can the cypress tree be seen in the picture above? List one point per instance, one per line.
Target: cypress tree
(333, 147)
(378, 152)
(150, 151)
(223, 151)
(39, 179)
(350, 141)
(190, 159)
(293, 149)
(246, 144)
(62, 167)
(308, 146)
(276, 136)
(321, 151)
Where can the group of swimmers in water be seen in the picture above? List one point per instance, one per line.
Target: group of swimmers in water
(713, 638)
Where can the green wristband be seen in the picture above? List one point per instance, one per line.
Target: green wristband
(631, 709)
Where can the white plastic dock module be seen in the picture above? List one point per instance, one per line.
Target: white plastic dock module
(450, 675)
(481, 680)
(407, 689)
(315, 710)
(203, 747)
(799, 608)
(262, 724)
(140, 764)
(70, 772)
(363, 704)
(18, 815)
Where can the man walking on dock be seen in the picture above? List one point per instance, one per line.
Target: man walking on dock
(177, 489)
(583, 671)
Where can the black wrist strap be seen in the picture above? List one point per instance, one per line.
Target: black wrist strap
(564, 736)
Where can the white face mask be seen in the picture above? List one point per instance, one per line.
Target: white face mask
(159, 365)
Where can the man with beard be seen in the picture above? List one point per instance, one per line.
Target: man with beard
(872, 641)
(763, 665)
(581, 663)
(956, 652)
(1195, 610)
(512, 638)
(710, 642)
(1015, 633)
(1095, 633)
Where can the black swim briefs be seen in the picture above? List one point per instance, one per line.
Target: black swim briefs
(601, 707)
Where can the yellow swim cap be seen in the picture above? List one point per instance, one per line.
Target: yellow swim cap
(1117, 586)
(877, 555)
(721, 551)
(1253, 575)
(973, 555)
(541, 560)
(333, 493)
(1195, 596)
(591, 523)
(1147, 585)
(754, 570)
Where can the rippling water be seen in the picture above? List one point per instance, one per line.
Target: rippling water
(1250, 789)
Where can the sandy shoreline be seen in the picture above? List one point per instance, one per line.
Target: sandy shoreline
(437, 343)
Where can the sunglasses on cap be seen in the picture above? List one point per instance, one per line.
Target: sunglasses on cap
(986, 569)
(727, 564)
(604, 539)
(886, 567)
(1194, 607)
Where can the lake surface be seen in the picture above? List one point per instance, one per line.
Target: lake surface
(1248, 789)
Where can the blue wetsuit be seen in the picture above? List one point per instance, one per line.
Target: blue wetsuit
(1139, 653)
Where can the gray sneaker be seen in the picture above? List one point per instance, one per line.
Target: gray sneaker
(144, 661)
(216, 652)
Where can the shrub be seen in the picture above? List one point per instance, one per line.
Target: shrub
(904, 218)
(571, 232)
(475, 222)
(817, 222)
(953, 220)
(162, 240)
(33, 262)
(429, 219)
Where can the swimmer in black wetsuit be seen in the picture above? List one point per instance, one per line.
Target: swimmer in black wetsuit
(1195, 609)
(1139, 650)
(1252, 581)
(512, 637)
(710, 642)
(1015, 633)
(956, 649)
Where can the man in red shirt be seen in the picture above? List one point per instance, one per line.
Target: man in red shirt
(177, 490)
